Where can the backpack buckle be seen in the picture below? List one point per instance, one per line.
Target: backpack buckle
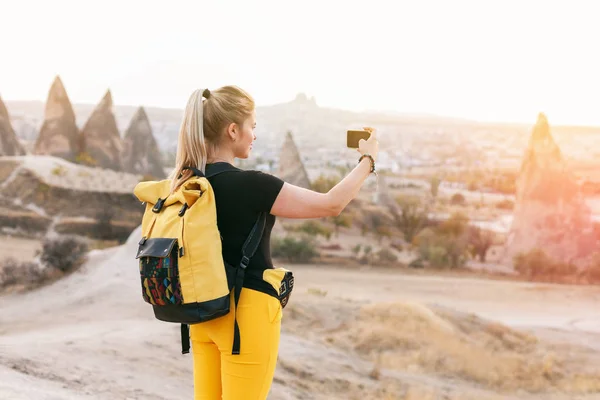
(183, 209)
(245, 262)
(159, 205)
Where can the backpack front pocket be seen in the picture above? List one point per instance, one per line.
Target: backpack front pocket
(159, 273)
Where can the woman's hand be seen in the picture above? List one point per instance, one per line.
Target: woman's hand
(371, 145)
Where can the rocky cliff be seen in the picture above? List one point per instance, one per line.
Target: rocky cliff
(100, 137)
(140, 153)
(39, 194)
(550, 211)
(9, 144)
(291, 168)
(59, 135)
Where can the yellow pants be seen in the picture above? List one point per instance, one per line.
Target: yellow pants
(220, 375)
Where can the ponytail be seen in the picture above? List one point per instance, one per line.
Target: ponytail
(203, 127)
(191, 149)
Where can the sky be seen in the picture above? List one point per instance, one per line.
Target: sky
(485, 60)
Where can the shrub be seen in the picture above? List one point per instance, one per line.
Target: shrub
(13, 272)
(341, 221)
(386, 256)
(505, 205)
(445, 246)
(85, 158)
(294, 250)
(411, 218)
(63, 254)
(324, 184)
(59, 170)
(480, 241)
(537, 264)
(315, 228)
(416, 263)
(458, 200)
(472, 186)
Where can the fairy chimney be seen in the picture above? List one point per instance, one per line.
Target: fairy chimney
(101, 140)
(291, 168)
(550, 212)
(59, 135)
(140, 151)
(9, 143)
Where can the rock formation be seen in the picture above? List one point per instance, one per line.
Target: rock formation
(291, 168)
(550, 212)
(101, 140)
(140, 152)
(59, 135)
(9, 143)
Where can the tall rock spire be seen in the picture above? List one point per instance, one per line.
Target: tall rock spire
(291, 168)
(100, 136)
(9, 143)
(550, 212)
(140, 151)
(59, 135)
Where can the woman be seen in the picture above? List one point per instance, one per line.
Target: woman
(216, 130)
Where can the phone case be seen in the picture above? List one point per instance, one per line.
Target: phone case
(353, 137)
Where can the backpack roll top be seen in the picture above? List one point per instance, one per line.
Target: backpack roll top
(181, 265)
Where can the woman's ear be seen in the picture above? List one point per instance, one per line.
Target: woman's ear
(232, 131)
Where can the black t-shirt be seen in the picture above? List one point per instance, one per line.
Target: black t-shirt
(240, 197)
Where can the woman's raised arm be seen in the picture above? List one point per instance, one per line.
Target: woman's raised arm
(297, 202)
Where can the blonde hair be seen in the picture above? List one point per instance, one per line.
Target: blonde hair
(204, 125)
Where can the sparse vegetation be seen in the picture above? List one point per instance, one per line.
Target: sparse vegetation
(64, 254)
(294, 250)
(537, 265)
(324, 184)
(314, 229)
(434, 186)
(498, 181)
(383, 232)
(13, 272)
(411, 219)
(56, 258)
(480, 241)
(356, 250)
(344, 220)
(458, 200)
(446, 245)
(386, 256)
(85, 158)
(59, 170)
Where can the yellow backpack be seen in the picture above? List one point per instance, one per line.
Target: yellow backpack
(182, 272)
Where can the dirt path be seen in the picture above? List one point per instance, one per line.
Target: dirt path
(90, 336)
(518, 304)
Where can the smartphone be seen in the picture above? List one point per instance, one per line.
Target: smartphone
(353, 137)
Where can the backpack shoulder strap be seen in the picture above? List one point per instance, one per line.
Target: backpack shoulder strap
(253, 240)
(248, 250)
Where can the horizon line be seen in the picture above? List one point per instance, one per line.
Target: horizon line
(388, 113)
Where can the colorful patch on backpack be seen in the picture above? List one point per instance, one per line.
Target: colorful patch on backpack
(160, 280)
